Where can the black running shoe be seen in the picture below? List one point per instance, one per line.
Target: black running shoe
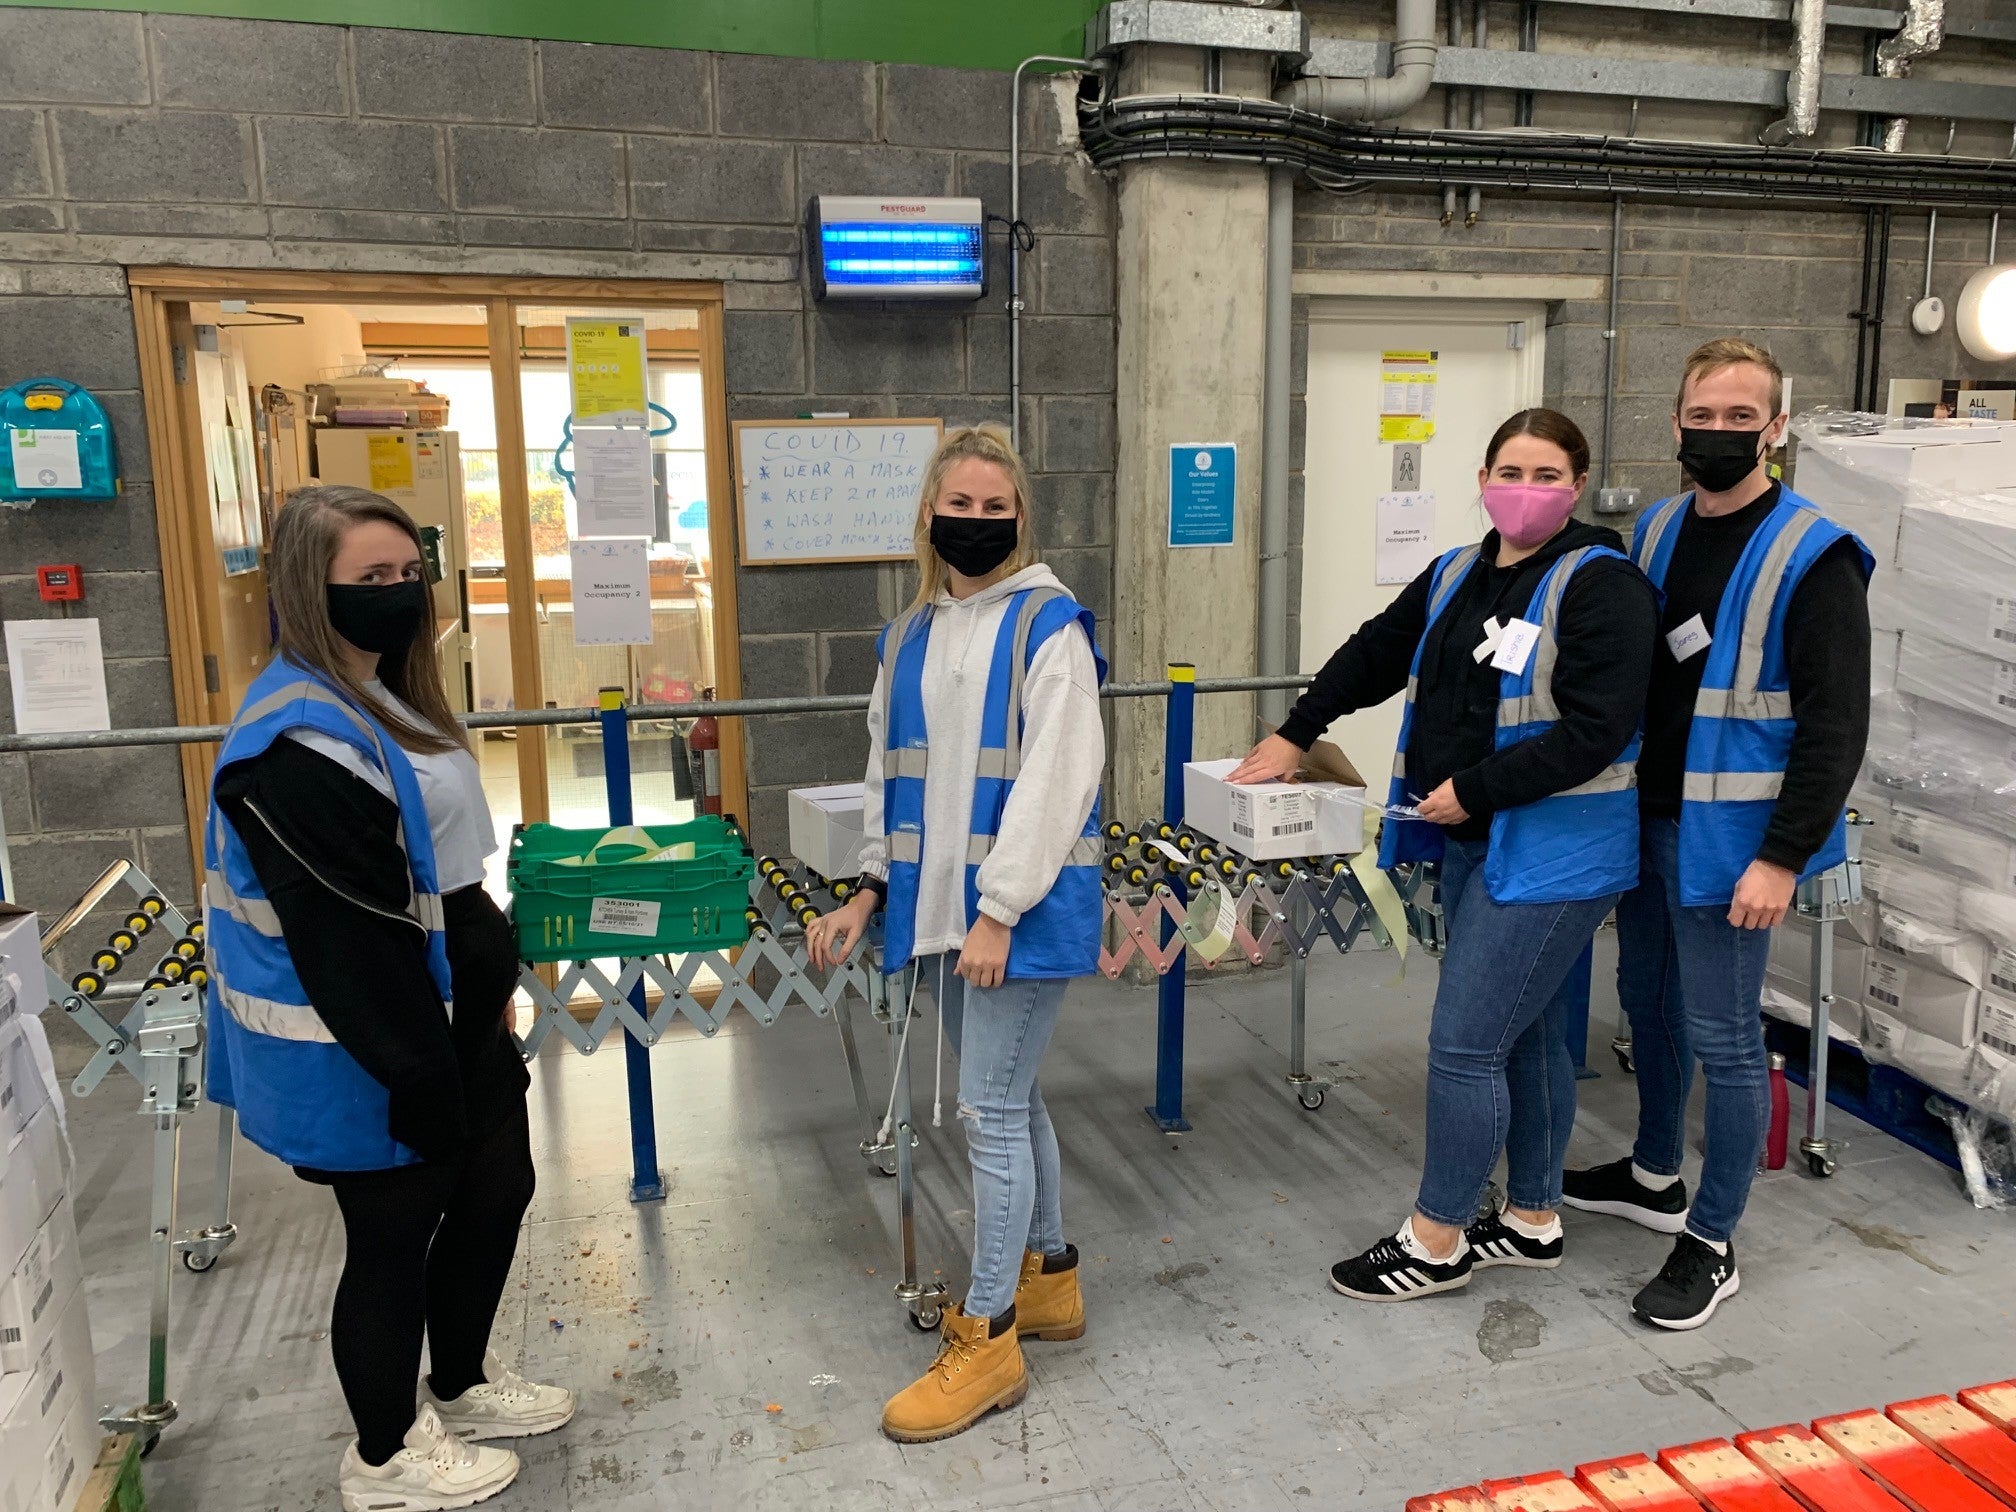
(1392, 1272)
(1493, 1241)
(1691, 1286)
(1614, 1190)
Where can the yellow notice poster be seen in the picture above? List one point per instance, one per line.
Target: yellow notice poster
(391, 463)
(605, 370)
(1407, 396)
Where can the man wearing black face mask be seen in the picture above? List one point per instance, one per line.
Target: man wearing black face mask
(1755, 722)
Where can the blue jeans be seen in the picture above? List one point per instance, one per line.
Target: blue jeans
(1499, 1073)
(1017, 1180)
(1689, 981)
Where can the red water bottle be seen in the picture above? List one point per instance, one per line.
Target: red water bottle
(1781, 1116)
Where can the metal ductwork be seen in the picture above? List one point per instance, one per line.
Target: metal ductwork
(1923, 31)
(1802, 89)
(1378, 99)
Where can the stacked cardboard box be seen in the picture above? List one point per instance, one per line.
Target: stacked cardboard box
(1938, 508)
(49, 1435)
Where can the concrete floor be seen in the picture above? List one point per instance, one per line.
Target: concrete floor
(734, 1344)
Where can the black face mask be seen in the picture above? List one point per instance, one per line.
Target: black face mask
(973, 544)
(380, 617)
(1719, 459)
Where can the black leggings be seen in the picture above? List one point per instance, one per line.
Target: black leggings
(428, 1248)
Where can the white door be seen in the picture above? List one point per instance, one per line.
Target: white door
(1489, 361)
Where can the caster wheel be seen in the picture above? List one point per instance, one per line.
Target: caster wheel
(197, 1264)
(927, 1319)
(1821, 1166)
(1310, 1100)
(149, 1446)
(888, 1172)
(1626, 1064)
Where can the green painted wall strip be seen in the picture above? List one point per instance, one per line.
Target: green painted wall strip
(994, 34)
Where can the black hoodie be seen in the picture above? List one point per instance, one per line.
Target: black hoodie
(1608, 627)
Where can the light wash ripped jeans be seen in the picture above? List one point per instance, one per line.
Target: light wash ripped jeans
(999, 1035)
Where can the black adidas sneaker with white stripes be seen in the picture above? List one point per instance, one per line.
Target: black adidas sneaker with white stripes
(1399, 1268)
(1493, 1241)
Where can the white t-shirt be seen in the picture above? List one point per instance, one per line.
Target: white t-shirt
(451, 786)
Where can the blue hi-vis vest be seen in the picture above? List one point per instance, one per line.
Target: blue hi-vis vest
(1579, 843)
(300, 1096)
(1059, 935)
(1743, 725)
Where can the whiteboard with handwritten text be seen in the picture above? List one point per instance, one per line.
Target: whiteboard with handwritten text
(830, 490)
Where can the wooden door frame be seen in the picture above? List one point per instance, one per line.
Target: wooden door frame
(179, 504)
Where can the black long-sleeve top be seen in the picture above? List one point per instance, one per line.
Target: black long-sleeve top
(1827, 657)
(1605, 637)
(325, 846)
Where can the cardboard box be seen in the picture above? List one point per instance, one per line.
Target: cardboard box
(33, 1298)
(1945, 948)
(24, 1090)
(1914, 889)
(34, 1177)
(1321, 812)
(1790, 963)
(73, 1451)
(1962, 851)
(1972, 683)
(21, 957)
(63, 1381)
(826, 828)
(1925, 1001)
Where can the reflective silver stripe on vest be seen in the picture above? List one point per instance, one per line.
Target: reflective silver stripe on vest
(288, 1021)
(1757, 616)
(1655, 532)
(1620, 778)
(1539, 705)
(1018, 656)
(1400, 765)
(1730, 787)
(1086, 850)
(255, 914)
(906, 761)
(1728, 703)
(906, 845)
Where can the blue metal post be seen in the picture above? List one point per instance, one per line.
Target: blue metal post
(647, 1183)
(1168, 1109)
(1580, 976)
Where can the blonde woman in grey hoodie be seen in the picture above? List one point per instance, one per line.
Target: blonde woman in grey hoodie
(982, 815)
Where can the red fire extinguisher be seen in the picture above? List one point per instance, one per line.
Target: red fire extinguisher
(704, 741)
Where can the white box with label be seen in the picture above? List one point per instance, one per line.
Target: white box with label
(24, 1091)
(1927, 1001)
(1995, 1026)
(68, 1461)
(63, 1379)
(1964, 680)
(1944, 948)
(826, 828)
(33, 1297)
(21, 958)
(1269, 821)
(1915, 889)
(1958, 850)
(34, 1176)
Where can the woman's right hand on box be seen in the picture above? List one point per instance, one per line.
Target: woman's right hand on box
(831, 938)
(1275, 759)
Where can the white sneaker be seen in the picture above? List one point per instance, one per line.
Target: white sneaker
(504, 1405)
(434, 1472)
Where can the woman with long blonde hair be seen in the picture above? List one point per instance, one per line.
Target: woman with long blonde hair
(982, 815)
(360, 980)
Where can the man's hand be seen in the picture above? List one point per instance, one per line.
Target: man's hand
(983, 959)
(830, 938)
(1763, 893)
(1275, 759)
(1441, 807)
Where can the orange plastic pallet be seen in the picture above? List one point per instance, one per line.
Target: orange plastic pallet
(1996, 1402)
(1973, 1443)
(1634, 1484)
(1724, 1480)
(1911, 1472)
(1462, 1499)
(1814, 1473)
(1549, 1491)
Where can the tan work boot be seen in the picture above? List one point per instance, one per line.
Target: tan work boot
(973, 1375)
(1048, 1304)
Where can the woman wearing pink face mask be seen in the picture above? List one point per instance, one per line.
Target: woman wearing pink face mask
(1525, 660)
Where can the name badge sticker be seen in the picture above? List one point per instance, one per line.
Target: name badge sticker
(1684, 640)
(1515, 646)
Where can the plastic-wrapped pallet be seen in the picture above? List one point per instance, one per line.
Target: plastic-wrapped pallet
(48, 1379)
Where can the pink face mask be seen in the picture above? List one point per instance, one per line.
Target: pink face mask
(1528, 513)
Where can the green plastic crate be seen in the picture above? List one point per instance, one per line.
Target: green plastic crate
(567, 908)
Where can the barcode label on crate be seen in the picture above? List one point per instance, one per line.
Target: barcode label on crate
(1884, 995)
(2002, 622)
(2002, 969)
(1243, 830)
(2005, 685)
(1904, 833)
(1301, 827)
(1997, 1025)
(623, 916)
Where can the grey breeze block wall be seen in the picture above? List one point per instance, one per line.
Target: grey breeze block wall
(128, 140)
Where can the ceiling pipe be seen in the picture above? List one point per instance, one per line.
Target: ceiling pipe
(1414, 50)
(1923, 31)
(1802, 88)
